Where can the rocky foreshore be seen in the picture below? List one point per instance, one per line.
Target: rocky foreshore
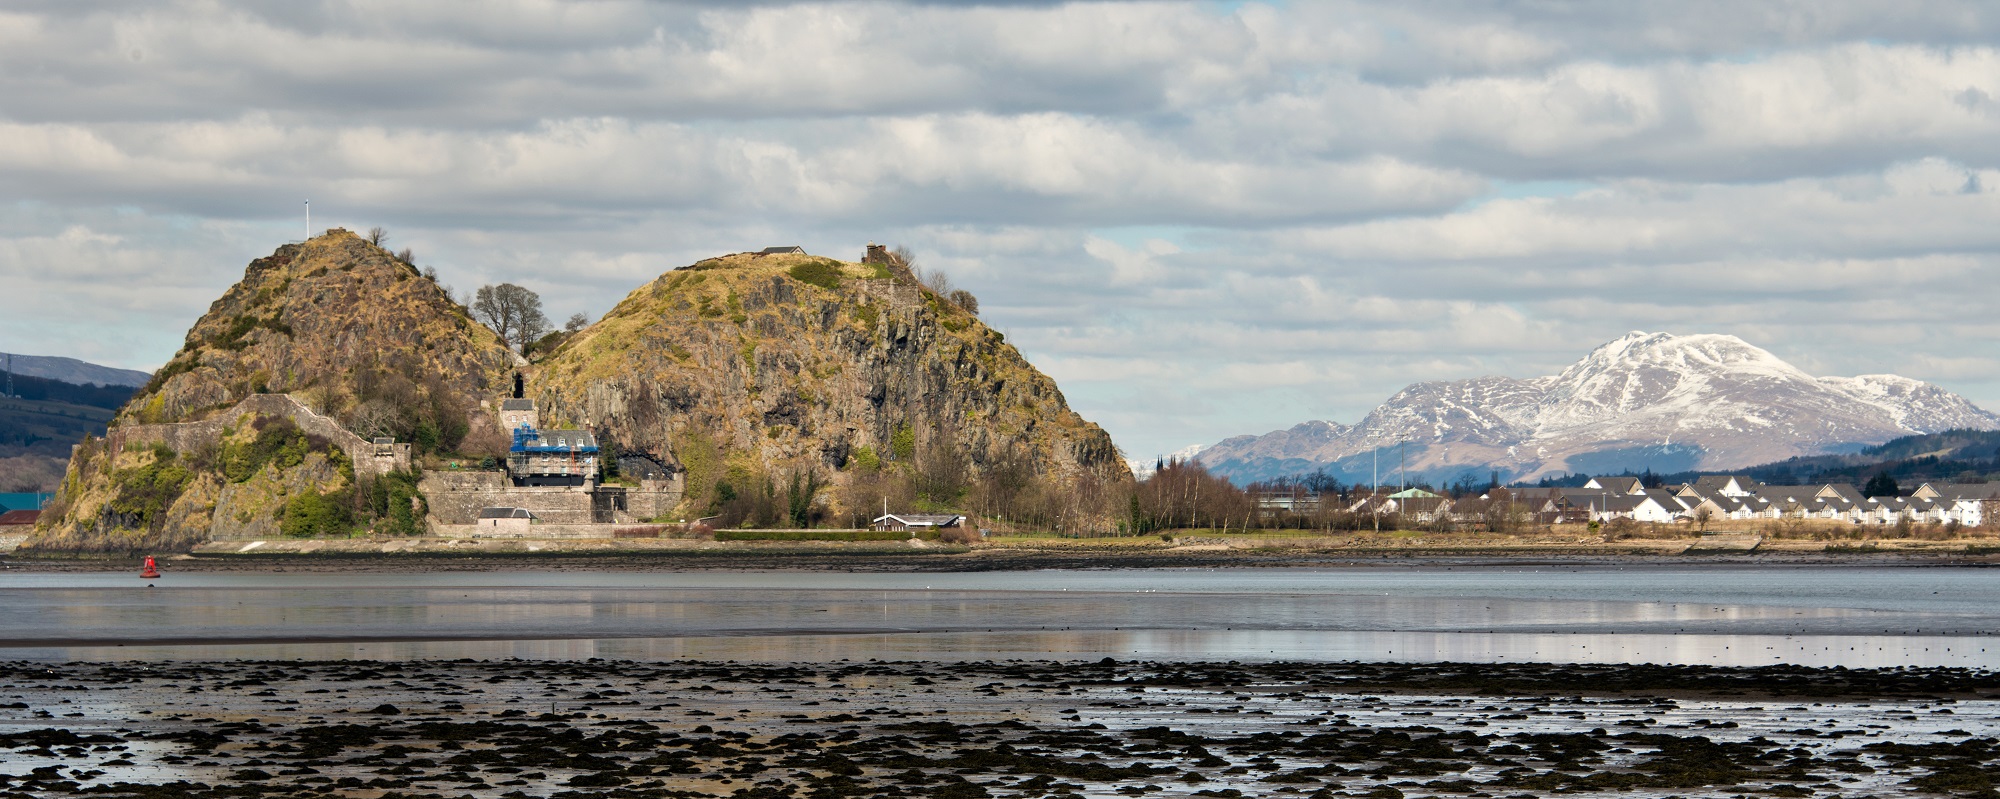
(995, 729)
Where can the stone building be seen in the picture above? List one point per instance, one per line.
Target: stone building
(517, 413)
(552, 457)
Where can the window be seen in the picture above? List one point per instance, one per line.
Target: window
(562, 442)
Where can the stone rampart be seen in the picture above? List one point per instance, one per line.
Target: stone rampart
(531, 532)
(185, 437)
(457, 497)
(896, 294)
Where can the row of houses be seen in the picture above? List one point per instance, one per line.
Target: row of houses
(1709, 498)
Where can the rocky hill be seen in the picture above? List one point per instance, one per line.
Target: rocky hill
(802, 381)
(342, 324)
(1644, 401)
(782, 363)
(360, 340)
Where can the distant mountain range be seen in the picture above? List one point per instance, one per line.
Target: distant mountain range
(71, 370)
(1646, 401)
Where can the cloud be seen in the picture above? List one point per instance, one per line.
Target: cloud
(1204, 219)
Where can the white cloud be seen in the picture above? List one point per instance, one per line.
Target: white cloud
(1204, 219)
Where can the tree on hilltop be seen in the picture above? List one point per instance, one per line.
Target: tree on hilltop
(514, 312)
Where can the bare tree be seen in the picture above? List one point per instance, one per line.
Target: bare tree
(375, 417)
(377, 236)
(406, 256)
(937, 282)
(431, 274)
(904, 258)
(512, 311)
(576, 322)
(965, 301)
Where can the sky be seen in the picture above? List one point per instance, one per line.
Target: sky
(1203, 219)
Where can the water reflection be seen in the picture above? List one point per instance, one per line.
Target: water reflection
(1852, 617)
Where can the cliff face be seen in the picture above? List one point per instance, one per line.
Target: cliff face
(337, 322)
(360, 340)
(796, 362)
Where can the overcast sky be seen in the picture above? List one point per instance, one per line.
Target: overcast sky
(1203, 219)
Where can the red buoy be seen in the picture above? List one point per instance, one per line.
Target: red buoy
(151, 571)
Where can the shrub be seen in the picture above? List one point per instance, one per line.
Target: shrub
(146, 492)
(278, 441)
(960, 535)
(818, 273)
(866, 314)
(864, 459)
(395, 504)
(314, 515)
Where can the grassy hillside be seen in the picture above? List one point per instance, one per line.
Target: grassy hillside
(762, 374)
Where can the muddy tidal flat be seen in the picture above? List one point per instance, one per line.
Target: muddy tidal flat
(1104, 728)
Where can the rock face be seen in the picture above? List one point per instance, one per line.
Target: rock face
(1658, 401)
(336, 321)
(791, 362)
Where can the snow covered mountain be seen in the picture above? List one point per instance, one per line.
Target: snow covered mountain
(1143, 468)
(1645, 400)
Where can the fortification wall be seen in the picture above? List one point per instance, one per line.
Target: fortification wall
(896, 294)
(537, 531)
(457, 497)
(184, 437)
(652, 499)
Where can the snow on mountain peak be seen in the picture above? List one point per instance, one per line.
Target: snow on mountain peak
(1712, 398)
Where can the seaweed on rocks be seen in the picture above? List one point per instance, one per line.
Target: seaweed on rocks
(999, 730)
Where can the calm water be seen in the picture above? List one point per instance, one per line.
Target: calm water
(1711, 614)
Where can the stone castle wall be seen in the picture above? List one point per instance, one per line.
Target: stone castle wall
(183, 437)
(896, 294)
(457, 497)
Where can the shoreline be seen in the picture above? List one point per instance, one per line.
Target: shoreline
(458, 554)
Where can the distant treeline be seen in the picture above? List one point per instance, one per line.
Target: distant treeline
(1950, 456)
(51, 415)
(42, 389)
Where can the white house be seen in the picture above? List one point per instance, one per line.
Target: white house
(1617, 485)
(1969, 504)
(916, 522)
